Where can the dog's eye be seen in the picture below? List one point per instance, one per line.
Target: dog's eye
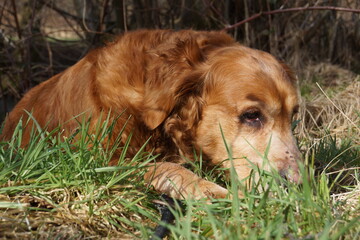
(252, 117)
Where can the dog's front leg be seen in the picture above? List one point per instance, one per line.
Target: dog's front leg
(178, 182)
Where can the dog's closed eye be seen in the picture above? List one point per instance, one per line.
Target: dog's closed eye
(252, 117)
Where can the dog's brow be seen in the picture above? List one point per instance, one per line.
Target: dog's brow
(254, 101)
(274, 107)
(252, 97)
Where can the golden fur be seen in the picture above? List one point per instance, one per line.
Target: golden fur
(184, 89)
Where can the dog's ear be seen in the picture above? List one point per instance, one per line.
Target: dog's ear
(182, 122)
(168, 72)
(181, 126)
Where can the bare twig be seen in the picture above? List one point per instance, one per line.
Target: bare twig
(83, 18)
(65, 13)
(215, 10)
(286, 10)
(103, 14)
(72, 26)
(16, 19)
(2, 10)
(124, 16)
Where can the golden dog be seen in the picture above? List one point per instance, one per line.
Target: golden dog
(187, 90)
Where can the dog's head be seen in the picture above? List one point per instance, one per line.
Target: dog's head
(251, 99)
(233, 93)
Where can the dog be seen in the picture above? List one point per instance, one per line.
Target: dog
(187, 91)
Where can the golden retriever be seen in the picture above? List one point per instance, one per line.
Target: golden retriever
(187, 90)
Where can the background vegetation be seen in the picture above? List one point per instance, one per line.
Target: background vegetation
(62, 189)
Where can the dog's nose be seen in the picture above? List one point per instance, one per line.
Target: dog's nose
(293, 175)
(283, 173)
(290, 169)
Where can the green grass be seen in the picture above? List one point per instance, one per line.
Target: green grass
(61, 188)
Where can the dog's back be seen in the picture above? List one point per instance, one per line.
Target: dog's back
(127, 74)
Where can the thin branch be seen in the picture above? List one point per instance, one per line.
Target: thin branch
(2, 10)
(257, 15)
(65, 13)
(124, 16)
(215, 10)
(18, 29)
(103, 14)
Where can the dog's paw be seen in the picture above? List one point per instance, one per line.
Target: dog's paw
(211, 190)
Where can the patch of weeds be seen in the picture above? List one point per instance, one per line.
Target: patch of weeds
(338, 159)
(58, 183)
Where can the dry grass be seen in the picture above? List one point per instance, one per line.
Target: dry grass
(63, 213)
(331, 102)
